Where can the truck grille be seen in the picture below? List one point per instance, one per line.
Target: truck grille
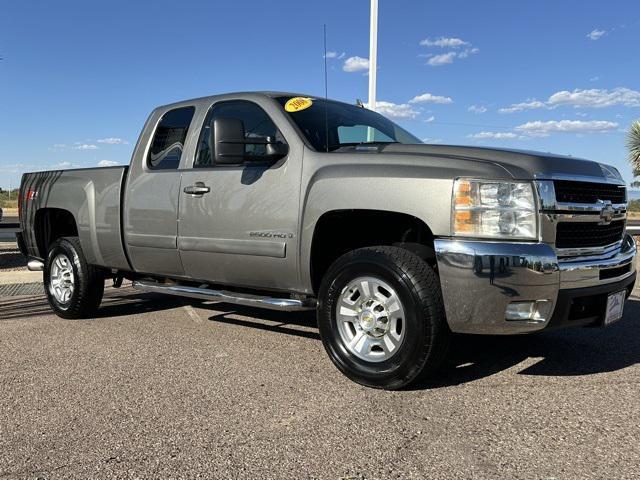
(588, 234)
(588, 192)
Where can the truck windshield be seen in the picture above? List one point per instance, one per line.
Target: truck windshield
(346, 125)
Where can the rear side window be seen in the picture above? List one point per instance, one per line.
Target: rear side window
(168, 141)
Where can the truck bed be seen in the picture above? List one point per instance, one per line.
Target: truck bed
(92, 195)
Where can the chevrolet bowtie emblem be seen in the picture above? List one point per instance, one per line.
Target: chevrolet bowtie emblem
(607, 213)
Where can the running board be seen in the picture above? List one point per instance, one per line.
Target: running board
(247, 299)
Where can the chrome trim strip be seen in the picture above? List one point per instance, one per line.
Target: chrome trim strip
(587, 253)
(246, 299)
(586, 273)
(589, 207)
(586, 217)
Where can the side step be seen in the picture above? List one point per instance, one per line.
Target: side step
(247, 299)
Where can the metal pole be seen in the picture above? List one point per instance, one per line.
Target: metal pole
(373, 61)
(373, 53)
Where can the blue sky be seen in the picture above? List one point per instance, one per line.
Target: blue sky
(78, 79)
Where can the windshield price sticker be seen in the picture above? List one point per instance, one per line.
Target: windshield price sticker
(296, 104)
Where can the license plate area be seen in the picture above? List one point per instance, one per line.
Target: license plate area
(615, 307)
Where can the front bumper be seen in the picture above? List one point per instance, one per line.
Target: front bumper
(479, 279)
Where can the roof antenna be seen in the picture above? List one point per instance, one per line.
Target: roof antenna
(326, 93)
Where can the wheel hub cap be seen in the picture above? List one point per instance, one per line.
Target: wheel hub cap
(370, 319)
(61, 279)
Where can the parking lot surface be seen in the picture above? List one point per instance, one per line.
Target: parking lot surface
(156, 388)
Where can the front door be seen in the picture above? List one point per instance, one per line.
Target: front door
(238, 223)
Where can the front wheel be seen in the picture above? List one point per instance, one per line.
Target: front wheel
(381, 317)
(73, 287)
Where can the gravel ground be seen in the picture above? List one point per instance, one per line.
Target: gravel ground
(155, 388)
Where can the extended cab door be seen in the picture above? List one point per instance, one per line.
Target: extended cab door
(153, 193)
(238, 223)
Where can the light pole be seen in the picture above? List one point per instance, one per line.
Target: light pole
(373, 60)
(373, 53)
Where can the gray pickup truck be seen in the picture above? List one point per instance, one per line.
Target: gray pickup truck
(291, 202)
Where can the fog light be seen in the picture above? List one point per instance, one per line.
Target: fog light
(535, 311)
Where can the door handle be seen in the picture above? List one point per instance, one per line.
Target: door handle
(198, 188)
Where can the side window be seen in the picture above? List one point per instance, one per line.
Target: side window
(168, 141)
(257, 125)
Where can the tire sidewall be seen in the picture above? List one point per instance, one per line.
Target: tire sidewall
(407, 363)
(65, 247)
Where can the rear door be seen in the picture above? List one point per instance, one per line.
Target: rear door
(242, 229)
(152, 194)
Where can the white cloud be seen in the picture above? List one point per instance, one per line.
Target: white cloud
(596, 98)
(566, 126)
(430, 98)
(595, 34)
(332, 54)
(432, 140)
(519, 107)
(113, 141)
(582, 98)
(430, 119)
(594, 79)
(395, 110)
(494, 135)
(467, 52)
(478, 109)
(84, 146)
(447, 42)
(355, 64)
(107, 163)
(443, 59)
(444, 42)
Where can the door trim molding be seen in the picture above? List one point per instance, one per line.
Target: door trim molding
(261, 248)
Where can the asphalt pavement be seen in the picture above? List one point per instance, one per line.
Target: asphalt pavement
(158, 388)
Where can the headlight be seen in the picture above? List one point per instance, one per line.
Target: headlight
(494, 209)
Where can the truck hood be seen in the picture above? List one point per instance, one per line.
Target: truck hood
(520, 164)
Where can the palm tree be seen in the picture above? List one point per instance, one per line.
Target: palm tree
(633, 144)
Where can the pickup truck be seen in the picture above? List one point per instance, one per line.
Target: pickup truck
(292, 202)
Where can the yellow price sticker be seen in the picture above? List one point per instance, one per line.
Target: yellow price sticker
(296, 104)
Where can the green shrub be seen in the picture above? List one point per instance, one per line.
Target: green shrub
(634, 206)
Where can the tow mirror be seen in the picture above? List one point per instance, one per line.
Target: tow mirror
(228, 140)
(230, 144)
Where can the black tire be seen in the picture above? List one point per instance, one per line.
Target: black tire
(88, 281)
(427, 337)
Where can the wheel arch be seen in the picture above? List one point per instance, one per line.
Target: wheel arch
(50, 224)
(337, 232)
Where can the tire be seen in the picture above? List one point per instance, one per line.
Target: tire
(87, 282)
(420, 339)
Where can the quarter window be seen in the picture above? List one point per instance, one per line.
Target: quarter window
(169, 139)
(257, 126)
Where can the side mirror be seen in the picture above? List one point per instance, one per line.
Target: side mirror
(228, 140)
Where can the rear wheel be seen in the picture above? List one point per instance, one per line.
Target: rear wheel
(73, 287)
(381, 317)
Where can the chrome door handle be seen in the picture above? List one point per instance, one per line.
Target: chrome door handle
(198, 188)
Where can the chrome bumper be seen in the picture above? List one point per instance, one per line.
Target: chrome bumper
(479, 280)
